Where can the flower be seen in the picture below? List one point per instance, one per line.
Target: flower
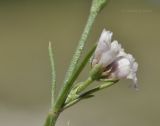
(115, 62)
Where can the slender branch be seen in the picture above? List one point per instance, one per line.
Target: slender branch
(81, 66)
(100, 87)
(51, 119)
(80, 46)
(88, 94)
(84, 85)
(79, 88)
(96, 7)
(71, 103)
(53, 83)
(67, 87)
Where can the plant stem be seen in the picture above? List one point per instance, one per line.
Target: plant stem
(80, 46)
(53, 83)
(51, 119)
(70, 76)
(89, 93)
(98, 88)
(84, 85)
(74, 94)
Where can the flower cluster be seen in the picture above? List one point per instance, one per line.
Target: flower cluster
(115, 62)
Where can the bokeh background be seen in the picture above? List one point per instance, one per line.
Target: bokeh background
(26, 27)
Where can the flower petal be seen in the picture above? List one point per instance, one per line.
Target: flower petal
(103, 45)
(115, 46)
(107, 58)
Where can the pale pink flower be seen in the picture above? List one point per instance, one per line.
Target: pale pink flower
(116, 64)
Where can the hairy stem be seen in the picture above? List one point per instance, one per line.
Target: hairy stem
(80, 46)
(53, 83)
(69, 79)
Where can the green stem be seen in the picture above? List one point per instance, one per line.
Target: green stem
(53, 83)
(74, 94)
(88, 94)
(100, 87)
(69, 77)
(96, 7)
(84, 85)
(51, 119)
(80, 46)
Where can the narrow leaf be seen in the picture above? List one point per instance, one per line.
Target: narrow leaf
(100, 87)
(68, 85)
(53, 82)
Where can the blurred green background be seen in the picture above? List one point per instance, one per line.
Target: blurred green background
(26, 27)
